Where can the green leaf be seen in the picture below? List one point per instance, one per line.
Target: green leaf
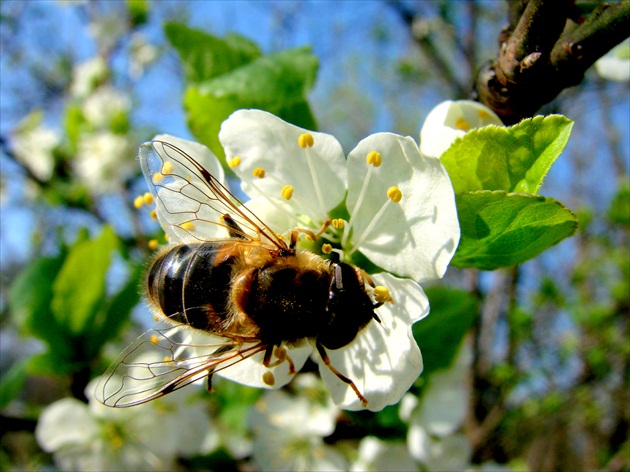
(30, 297)
(500, 229)
(111, 318)
(277, 83)
(439, 335)
(205, 56)
(79, 289)
(514, 159)
(12, 382)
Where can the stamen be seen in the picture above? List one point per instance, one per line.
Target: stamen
(280, 353)
(154, 339)
(393, 195)
(327, 248)
(483, 114)
(269, 378)
(234, 162)
(167, 168)
(153, 215)
(306, 140)
(158, 177)
(153, 244)
(287, 192)
(462, 124)
(259, 172)
(337, 223)
(138, 202)
(373, 159)
(148, 198)
(381, 294)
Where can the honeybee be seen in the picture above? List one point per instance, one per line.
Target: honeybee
(221, 301)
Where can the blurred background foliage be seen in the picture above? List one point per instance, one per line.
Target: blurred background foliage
(84, 83)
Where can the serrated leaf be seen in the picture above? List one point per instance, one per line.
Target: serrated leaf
(205, 56)
(79, 289)
(500, 229)
(277, 83)
(439, 335)
(513, 159)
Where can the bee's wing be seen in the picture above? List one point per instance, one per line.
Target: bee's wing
(192, 202)
(164, 359)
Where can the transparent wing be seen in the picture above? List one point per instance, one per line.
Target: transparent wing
(167, 358)
(191, 202)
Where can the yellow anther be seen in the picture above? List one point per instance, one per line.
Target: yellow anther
(337, 223)
(138, 201)
(306, 140)
(188, 226)
(374, 158)
(462, 124)
(148, 198)
(166, 236)
(153, 244)
(483, 114)
(326, 248)
(158, 177)
(259, 172)
(268, 378)
(166, 359)
(234, 162)
(394, 194)
(287, 192)
(156, 318)
(167, 168)
(280, 353)
(153, 215)
(154, 339)
(381, 294)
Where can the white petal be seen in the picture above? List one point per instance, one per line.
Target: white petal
(445, 402)
(183, 196)
(251, 370)
(416, 237)
(262, 140)
(380, 456)
(276, 214)
(450, 120)
(383, 360)
(64, 423)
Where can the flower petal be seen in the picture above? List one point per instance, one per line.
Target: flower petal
(262, 140)
(450, 120)
(416, 237)
(251, 370)
(52, 431)
(182, 196)
(384, 359)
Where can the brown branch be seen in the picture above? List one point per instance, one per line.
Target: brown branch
(546, 52)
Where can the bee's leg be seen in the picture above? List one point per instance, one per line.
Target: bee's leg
(325, 358)
(209, 382)
(313, 236)
(234, 229)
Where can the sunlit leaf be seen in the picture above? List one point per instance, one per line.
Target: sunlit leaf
(500, 229)
(514, 159)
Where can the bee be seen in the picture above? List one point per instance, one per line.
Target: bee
(220, 301)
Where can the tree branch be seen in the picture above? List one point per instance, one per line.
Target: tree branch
(546, 53)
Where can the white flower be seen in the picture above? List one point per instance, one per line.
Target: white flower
(87, 76)
(104, 105)
(142, 53)
(376, 455)
(388, 203)
(433, 424)
(33, 144)
(615, 65)
(95, 438)
(102, 160)
(288, 432)
(451, 119)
